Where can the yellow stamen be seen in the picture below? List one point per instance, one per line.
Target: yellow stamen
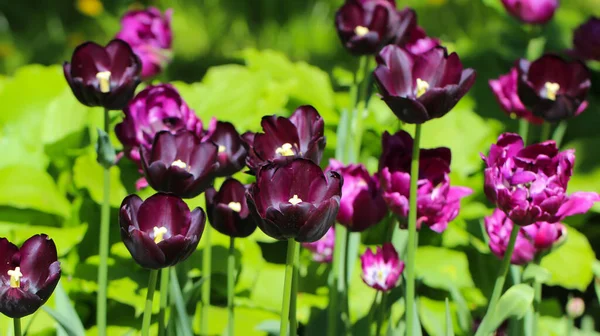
(222, 149)
(159, 233)
(361, 31)
(15, 277)
(180, 164)
(103, 78)
(551, 90)
(285, 150)
(295, 200)
(422, 87)
(379, 276)
(235, 206)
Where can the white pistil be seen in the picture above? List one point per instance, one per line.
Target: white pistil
(159, 233)
(15, 277)
(221, 149)
(103, 78)
(295, 200)
(361, 31)
(235, 206)
(422, 87)
(180, 164)
(285, 150)
(551, 90)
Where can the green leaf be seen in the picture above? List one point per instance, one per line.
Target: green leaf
(514, 302)
(88, 174)
(25, 187)
(443, 268)
(177, 298)
(449, 327)
(432, 314)
(536, 273)
(596, 270)
(65, 314)
(571, 263)
(65, 238)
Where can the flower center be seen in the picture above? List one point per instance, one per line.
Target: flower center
(159, 233)
(103, 78)
(551, 90)
(285, 150)
(295, 200)
(235, 206)
(422, 87)
(15, 277)
(221, 149)
(361, 31)
(180, 164)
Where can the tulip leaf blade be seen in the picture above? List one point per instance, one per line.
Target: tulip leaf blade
(65, 315)
(449, 327)
(183, 321)
(536, 273)
(516, 301)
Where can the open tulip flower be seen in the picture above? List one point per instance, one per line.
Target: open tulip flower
(232, 152)
(180, 163)
(156, 108)
(530, 183)
(438, 203)
(381, 270)
(418, 88)
(505, 90)
(228, 211)
(28, 275)
(300, 135)
(295, 200)
(365, 26)
(533, 240)
(322, 249)
(586, 40)
(103, 76)
(160, 231)
(362, 204)
(553, 88)
(149, 34)
(531, 11)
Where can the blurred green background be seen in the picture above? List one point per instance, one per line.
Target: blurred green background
(239, 60)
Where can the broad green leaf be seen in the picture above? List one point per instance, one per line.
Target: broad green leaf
(88, 174)
(536, 273)
(432, 314)
(65, 238)
(17, 153)
(177, 298)
(571, 263)
(442, 268)
(25, 187)
(449, 327)
(558, 326)
(514, 302)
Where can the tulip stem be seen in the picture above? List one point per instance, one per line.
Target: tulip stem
(230, 284)
(546, 128)
(524, 130)
(537, 299)
(382, 312)
(412, 235)
(293, 299)
(17, 324)
(559, 132)
(206, 273)
(287, 287)
(499, 285)
(164, 295)
(149, 298)
(104, 245)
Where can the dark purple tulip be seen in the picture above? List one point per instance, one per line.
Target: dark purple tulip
(28, 275)
(232, 152)
(365, 26)
(149, 33)
(156, 108)
(417, 42)
(362, 204)
(300, 135)
(295, 200)
(160, 231)
(180, 163)
(438, 203)
(531, 11)
(530, 183)
(103, 76)
(421, 87)
(553, 88)
(228, 211)
(586, 39)
(505, 90)
(533, 240)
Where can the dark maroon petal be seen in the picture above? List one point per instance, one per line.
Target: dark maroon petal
(204, 160)
(50, 283)
(309, 125)
(408, 110)
(129, 212)
(431, 67)
(88, 59)
(556, 110)
(36, 255)
(143, 249)
(270, 228)
(277, 132)
(198, 221)
(319, 222)
(121, 58)
(164, 149)
(8, 251)
(368, 211)
(232, 153)
(164, 210)
(290, 218)
(174, 249)
(16, 303)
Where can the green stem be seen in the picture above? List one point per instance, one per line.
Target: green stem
(338, 289)
(372, 311)
(537, 300)
(559, 132)
(206, 273)
(104, 242)
(382, 312)
(524, 129)
(293, 299)
(412, 235)
(546, 128)
(149, 298)
(230, 284)
(287, 287)
(164, 295)
(570, 326)
(17, 326)
(499, 285)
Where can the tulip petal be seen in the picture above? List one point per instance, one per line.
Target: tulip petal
(319, 222)
(164, 210)
(144, 250)
(577, 203)
(36, 255)
(16, 303)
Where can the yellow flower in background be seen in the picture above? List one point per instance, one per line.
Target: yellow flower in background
(90, 7)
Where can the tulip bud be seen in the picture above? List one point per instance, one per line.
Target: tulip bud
(575, 307)
(232, 153)
(586, 39)
(381, 270)
(531, 11)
